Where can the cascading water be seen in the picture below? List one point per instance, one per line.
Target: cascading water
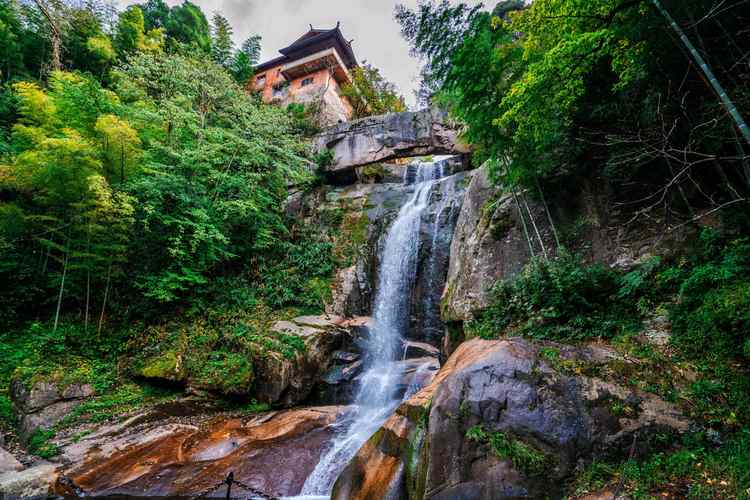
(377, 396)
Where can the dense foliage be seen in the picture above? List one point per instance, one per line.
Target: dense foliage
(558, 90)
(139, 183)
(371, 94)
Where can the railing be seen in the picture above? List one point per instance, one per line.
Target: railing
(231, 481)
(73, 490)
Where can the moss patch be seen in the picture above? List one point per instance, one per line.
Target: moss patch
(525, 458)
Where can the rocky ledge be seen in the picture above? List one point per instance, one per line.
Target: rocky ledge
(152, 454)
(385, 137)
(506, 419)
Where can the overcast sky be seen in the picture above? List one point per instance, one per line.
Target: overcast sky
(369, 23)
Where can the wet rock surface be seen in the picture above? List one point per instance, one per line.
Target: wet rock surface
(451, 439)
(385, 137)
(272, 452)
(439, 221)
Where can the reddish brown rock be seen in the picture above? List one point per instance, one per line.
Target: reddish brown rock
(273, 452)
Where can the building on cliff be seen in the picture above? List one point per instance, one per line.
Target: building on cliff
(310, 71)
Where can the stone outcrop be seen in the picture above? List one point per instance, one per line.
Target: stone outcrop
(272, 452)
(34, 482)
(9, 463)
(490, 241)
(503, 419)
(385, 137)
(45, 403)
(282, 379)
(489, 245)
(287, 381)
(354, 218)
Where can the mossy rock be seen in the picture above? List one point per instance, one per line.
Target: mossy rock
(165, 366)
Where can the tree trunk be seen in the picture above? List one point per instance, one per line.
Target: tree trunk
(55, 36)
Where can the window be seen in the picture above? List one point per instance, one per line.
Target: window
(306, 82)
(261, 81)
(280, 90)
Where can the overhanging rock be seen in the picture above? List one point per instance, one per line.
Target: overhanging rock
(386, 137)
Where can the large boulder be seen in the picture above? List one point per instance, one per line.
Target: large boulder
(286, 381)
(385, 137)
(41, 404)
(272, 452)
(505, 419)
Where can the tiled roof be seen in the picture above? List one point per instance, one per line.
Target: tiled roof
(312, 39)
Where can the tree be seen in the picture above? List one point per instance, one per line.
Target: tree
(83, 24)
(100, 47)
(435, 30)
(57, 175)
(121, 144)
(371, 94)
(245, 59)
(11, 58)
(218, 162)
(130, 35)
(155, 14)
(187, 24)
(561, 89)
(34, 40)
(53, 14)
(222, 45)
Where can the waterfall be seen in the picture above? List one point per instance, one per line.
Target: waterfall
(377, 396)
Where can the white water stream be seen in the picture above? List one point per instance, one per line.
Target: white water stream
(377, 395)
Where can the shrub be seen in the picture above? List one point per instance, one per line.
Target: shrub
(712, 313)
(298, 275)
(558, 298)
(40, 443)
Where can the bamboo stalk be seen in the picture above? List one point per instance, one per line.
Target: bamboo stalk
(104, 302)
(536, 229)
(62, 286)
(549, 214)
(725, 99)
